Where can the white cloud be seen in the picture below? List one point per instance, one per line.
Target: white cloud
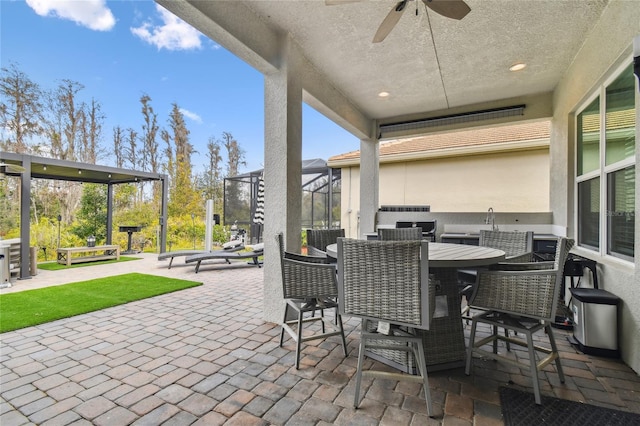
(192, 115)
(173, 34)
(93, 14)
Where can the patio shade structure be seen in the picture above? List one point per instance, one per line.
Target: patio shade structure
(244, 197)
(51, 168)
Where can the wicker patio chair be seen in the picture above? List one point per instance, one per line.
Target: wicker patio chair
(399, 234)
(309, 284)
(319, 239)
(428, 229)
(387, 282)
(517, 245)
(525, 302)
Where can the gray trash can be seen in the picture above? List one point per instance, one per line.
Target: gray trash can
(595, 321)
(5, 272)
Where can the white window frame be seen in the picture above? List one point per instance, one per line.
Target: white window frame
(603, 170)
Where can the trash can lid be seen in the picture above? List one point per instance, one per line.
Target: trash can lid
(595, 295)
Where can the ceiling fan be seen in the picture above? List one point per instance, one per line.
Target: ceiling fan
(454, 9)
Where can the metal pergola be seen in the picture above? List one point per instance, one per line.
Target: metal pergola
(318, 180)
(51, 168)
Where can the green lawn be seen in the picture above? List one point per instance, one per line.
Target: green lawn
(33, 307)
(55, 266)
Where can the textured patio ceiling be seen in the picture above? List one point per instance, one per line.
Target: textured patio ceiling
(430, 65)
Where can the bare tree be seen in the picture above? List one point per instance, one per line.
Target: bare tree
(20, 109)
(168, 152)
(212, 182)
(118, 148)
(150, 157)
(131, 152)
(64, 123)
(92, 129)
(235, 154)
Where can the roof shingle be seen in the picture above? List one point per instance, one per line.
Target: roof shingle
(486, 136)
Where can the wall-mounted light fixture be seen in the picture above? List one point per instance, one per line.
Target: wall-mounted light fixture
(79, 171)
(44, 167)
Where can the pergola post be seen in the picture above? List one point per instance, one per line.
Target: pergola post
(25, 223)
(109, 212)
(163, 213)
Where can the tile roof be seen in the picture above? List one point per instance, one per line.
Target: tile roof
(468, 138)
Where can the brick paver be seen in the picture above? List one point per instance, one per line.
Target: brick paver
(204, 356)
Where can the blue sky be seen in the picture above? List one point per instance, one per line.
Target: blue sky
(120, 50)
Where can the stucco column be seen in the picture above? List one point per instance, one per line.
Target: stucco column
(369, 183)
(282, 172)
(636, 247)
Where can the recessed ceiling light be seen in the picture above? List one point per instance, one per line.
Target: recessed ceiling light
(518, 67)
(383, 94)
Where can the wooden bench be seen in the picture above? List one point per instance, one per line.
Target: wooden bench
(109, 252)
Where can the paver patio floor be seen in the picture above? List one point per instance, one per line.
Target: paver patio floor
(205, 356)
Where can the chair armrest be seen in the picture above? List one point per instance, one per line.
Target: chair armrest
(303, 279)
(522, 266)
(313, 251)
(522, 257)
(303, 258)
(531, 294)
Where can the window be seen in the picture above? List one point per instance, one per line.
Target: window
(605, 168)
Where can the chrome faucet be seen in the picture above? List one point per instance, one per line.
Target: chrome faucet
(491, 219)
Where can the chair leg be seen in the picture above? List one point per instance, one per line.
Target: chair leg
(356, 397)
(299, 342)
(506, 334)
(533, 366)
(344, 340)
(422, 367)
(284, 321)
(470, 346)
(495, 340)
(554, 348)
(322, 321)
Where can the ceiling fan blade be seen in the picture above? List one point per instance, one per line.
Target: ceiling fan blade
(390, 21)
(454, 9)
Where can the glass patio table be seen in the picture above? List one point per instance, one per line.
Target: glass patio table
(444, 342)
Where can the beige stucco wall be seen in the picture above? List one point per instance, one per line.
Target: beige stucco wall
(508, 182)
(608, 45)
